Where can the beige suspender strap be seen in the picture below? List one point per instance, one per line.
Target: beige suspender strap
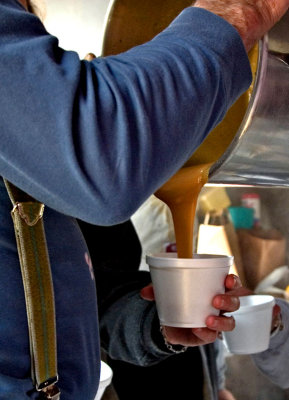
(27, 215)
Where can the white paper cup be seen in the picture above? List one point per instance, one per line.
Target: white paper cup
(253, 325)
(105, 379)
(184, 287)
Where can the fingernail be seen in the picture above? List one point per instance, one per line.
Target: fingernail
(219, 302)
(235, 301)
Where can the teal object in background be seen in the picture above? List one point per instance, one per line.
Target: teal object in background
(242, 217)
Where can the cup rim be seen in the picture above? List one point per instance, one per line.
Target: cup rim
(211, 261)
(245, 309)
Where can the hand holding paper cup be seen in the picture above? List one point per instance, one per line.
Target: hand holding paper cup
(184, 287)
(253, 325)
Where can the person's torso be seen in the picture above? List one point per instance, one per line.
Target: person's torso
(75, 303)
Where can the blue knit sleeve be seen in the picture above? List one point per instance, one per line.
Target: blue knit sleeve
(94, 140)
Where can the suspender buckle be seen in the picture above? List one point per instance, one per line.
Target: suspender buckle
(50, 393)
(49, 390)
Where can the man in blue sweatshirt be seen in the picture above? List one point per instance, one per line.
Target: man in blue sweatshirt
(92, 140)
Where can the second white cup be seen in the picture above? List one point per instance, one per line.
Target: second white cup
(253, 325)
(184, 287)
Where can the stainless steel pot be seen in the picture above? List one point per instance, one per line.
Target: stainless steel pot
(259, 152)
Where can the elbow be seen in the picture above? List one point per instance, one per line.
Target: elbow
(112, 209)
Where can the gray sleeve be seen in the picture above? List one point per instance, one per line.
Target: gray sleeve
(274, 362)
(128, 331)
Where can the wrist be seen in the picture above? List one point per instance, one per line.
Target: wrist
(233, 13)
(174, 348)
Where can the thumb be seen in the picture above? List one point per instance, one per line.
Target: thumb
(147, 293)
(275, 315)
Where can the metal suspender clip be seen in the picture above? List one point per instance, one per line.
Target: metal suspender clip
(46, 384)
(50, 393)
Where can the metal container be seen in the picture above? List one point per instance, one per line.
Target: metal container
(259, 152)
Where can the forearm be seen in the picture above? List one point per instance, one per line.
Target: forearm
(104, 127)
(129, 331)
